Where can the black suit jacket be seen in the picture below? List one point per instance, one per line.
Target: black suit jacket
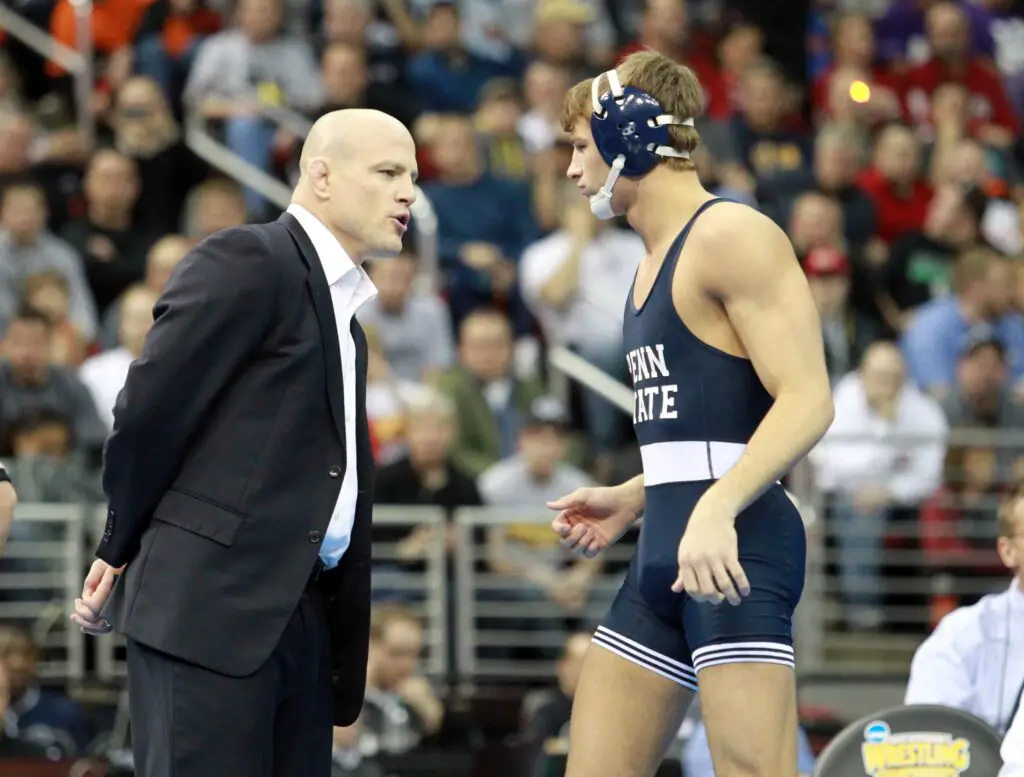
(226, 461)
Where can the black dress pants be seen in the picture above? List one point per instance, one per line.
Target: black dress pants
(187, 721)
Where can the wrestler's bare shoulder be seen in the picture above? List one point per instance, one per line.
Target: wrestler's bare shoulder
(739, 245)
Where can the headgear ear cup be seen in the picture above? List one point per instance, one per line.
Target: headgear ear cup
(630, 130)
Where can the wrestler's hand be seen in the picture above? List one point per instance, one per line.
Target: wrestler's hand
(709, 565)
(591, 519)
(95, 592)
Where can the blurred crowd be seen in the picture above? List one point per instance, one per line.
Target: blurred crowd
(883, 136)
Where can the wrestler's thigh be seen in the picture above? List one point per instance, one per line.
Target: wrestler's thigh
(624, 717)
(750, 712)
(636, 685)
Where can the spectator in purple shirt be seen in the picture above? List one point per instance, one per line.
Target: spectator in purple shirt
(901, 33)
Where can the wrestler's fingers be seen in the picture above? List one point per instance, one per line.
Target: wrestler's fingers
(739, 576)
(595, 545)
(572, 539)
(724, 582)
(576, 499)
(686, 580)
(707, 589)
(584, 541)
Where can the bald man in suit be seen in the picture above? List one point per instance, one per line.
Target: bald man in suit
(236, 553)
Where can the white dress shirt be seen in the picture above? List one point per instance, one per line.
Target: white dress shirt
(974, 660)
(104, 375)
(350, 288)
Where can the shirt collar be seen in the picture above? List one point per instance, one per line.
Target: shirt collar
(334, 258)
(1016, 594)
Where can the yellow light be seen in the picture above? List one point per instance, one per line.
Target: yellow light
(860, 92)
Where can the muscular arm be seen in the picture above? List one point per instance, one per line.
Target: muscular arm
(759, 281)
(214, 314)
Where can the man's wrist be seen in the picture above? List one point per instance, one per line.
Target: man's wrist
(722, 502)
(633, 495)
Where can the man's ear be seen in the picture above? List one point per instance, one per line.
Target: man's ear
(1008, 554)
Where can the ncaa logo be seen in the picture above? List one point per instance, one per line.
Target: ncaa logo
(628, 130)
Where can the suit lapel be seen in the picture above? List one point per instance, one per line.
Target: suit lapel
(361, 529)
(365, 451)
(324, 307)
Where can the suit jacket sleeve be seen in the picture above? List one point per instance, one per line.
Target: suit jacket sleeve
(213, 316)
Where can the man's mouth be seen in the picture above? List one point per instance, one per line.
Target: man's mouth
(402, 220)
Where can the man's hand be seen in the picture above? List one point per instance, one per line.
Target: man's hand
(872, 498)
(568, 591)
(415, 689)
(418, 694)
(503, 276)
(480, 256)
(709, 565)
(579, 222)
(591, 519)
(95, 592)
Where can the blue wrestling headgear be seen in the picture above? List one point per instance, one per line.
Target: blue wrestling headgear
(630, 130)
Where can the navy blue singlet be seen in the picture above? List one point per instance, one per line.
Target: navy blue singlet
(695, 408)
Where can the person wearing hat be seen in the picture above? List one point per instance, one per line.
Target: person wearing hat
(530, 553)
(847, 332)
(982, 395)
(559, 33)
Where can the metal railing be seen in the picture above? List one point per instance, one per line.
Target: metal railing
(78, 61)
(40, 575)
(572, 365)
(883, 574)
(422, 590)
(505, 627)
(484, 620)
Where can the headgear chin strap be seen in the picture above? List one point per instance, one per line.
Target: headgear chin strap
(630, 130)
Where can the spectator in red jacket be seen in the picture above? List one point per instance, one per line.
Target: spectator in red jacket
(952, 61)
(957, 524)
(739, 49)
(894, 183)
(854, 50)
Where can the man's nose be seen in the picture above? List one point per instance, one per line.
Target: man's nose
(408, 193)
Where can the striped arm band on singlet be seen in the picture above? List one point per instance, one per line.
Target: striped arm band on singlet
(633, 651)
(744, 653)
